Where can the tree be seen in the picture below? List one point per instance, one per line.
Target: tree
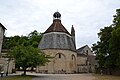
(108, 48)
(34, 38)
(10, 42)
(116, 20)
(28, 57)
(114, 43)
(24, 49)
(101, 48)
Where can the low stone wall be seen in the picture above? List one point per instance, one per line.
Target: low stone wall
(4, 65)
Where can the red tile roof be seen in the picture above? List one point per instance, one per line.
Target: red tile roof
(57, 27)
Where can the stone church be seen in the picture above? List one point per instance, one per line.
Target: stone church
(60, 45)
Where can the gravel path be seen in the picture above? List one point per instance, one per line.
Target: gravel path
(64, 77)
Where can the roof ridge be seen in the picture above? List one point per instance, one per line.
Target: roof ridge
(82, 47)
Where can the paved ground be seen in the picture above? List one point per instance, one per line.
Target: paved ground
(64, 77)
(37, 76)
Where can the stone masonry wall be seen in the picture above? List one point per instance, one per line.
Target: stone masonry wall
(1, 37)
(65, 64)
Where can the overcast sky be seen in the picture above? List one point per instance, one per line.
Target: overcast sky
(20, 17)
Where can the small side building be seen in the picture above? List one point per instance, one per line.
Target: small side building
(85, 60)
(5, 64)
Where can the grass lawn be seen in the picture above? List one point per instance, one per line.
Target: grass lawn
(17, 78)
(106, 77)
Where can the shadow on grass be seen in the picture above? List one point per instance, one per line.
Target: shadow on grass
(17, 77)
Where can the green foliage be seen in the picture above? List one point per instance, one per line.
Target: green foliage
(114, 43)
(32, 39)
(116, 21)
(10, 42)
(107, 50)
(17, 78)
(101, 48)
(28, 56)
(24, 50)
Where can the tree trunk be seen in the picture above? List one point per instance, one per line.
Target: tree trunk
(110, 71)
(32, 68)
(24, 71)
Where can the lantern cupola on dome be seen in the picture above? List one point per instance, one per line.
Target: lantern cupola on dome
(57, 15)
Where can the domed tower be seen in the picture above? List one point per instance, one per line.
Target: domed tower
(58, 43)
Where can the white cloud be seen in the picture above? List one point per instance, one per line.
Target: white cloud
(20, 17)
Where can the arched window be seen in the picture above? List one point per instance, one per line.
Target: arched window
(87, 52)
(59, 55)
(73, 57)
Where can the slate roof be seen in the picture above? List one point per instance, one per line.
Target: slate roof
(57, 41)
(2, 26)
(81, 49)
(57, 27)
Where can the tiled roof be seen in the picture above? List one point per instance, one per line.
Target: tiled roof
(57, 27)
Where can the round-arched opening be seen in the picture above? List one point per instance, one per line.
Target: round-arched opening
(59, 63)
(73, 63)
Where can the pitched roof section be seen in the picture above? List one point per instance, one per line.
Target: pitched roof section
(80, 49)
(57, 27)
(2, 26)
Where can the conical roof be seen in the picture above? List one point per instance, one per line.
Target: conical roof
(57, 27)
